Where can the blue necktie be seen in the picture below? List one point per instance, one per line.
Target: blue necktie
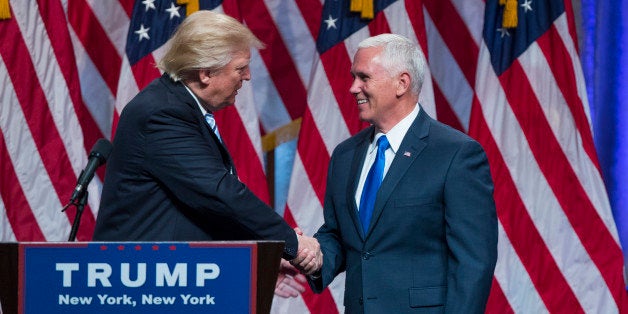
(209, 117)
(372, 183)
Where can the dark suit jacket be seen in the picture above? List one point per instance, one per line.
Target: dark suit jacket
(432, 243)
(169, 178)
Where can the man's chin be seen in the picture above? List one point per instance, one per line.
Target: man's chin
(364, 119)
(223, 105)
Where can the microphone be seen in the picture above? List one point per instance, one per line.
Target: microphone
(97, 157)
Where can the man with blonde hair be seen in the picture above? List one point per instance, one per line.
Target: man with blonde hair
(169, 177)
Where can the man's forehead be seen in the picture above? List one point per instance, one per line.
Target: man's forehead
(365, 59)
(241, 57)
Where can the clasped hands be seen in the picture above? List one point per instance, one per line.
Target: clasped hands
(309, 256)
(308, 261)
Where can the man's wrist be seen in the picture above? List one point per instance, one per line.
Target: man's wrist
(291, 247)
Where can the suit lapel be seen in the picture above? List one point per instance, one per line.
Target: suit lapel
(183, 95)
(224, 152)
(354, 176)
(411, 147)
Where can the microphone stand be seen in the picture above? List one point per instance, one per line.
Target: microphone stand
(77, 218)
(97, 157)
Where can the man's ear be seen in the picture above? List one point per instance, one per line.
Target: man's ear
(204, 76)
(403, 83)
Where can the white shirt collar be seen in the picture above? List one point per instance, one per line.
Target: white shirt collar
(398, 132)
(196, 99)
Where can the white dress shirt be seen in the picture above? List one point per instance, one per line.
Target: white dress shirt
(196, 99)
(395, 136)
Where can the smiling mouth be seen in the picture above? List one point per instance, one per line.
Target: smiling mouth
(362, 101)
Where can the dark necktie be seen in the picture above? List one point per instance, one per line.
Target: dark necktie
(372, 183)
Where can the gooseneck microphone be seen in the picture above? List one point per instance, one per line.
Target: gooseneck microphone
(97, 157)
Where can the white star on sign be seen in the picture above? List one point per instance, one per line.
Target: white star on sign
(527, 5)
(503, 32)
(149, 4)
(143, 32)
(331, 22)
(173, 10)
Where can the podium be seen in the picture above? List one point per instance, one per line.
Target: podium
(138, 277)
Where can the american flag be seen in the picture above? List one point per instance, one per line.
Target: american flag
(558, 240)
(67, 68)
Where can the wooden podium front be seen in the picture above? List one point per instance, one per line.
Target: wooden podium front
(139, 277)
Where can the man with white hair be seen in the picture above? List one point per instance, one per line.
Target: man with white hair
(409, 211)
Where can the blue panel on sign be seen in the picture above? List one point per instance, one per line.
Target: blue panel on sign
(137, 277)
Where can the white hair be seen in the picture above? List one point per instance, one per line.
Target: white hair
(400, 54)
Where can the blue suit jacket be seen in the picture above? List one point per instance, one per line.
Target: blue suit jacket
(432, 243)
(170, 179)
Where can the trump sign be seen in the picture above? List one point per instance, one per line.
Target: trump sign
(138, 277)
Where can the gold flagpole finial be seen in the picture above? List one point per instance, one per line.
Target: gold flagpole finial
(5, 10)
(191, 6)
(510, 13)
(364, 7)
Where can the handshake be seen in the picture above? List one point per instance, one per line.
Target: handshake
(309, 260)
(309, 256)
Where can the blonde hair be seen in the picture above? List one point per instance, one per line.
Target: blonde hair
(205, 40)
(400, 54)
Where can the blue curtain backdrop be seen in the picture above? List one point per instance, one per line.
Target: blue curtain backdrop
(605, 63)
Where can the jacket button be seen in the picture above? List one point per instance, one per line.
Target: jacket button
(361, 301)
(366, 255)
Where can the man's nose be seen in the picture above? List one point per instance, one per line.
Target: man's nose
(247, 75)
(355, 86)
